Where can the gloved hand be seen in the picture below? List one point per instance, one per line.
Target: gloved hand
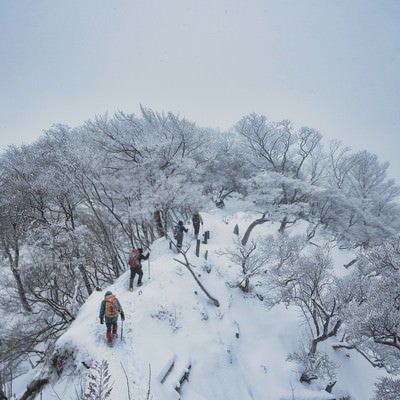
(122, 316)
(102, 320)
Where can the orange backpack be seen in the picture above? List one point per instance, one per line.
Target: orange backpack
(111, 306)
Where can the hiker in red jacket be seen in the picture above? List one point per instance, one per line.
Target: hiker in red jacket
(135, 262)
(109, 309)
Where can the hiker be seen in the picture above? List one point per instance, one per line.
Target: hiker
(178, 234)
(109, 309)
(135, 262)
(197, 219)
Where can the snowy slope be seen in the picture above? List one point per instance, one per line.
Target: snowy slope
(235, 351)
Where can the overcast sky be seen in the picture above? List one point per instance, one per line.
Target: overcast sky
(330, 65)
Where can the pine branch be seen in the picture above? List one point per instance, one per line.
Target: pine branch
(99, 387)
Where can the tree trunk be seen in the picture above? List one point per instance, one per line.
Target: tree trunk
(85, 279)
(34, 388)
(246, 286)
(14, 264)
(21, 290)
(282, 227)
(2, 395)
(251, 227)
(324, 336)
(159, 224)
(187, 265)
(330, 386)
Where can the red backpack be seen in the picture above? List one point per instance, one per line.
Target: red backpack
(133, 260)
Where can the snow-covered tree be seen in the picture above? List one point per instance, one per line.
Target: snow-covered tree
(306, 280)
(251, 259)
(372, 315)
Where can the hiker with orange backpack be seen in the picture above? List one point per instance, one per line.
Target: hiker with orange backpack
(135, 263)
(109, 309)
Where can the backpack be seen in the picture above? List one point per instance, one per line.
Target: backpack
(111, 310)
(133, 260)
(175, 231)
(196, 219)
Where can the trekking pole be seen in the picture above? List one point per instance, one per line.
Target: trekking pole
(122, 328)
(148, 266)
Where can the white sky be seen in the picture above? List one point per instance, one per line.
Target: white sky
(330, 65)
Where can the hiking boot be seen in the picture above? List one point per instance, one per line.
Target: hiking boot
(131, 289)
(139, 283)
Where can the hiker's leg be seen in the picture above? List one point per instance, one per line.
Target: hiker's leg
(114, 328)
(132, 277)
(140, 273)
(108, 333)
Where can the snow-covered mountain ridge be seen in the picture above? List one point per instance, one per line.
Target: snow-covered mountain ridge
(238, 350)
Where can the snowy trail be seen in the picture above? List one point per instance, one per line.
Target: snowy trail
(169, 319)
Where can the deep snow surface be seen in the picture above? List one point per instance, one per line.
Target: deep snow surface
(169, 319)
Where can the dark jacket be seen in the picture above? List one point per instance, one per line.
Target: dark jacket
(181, 229)
(142, 257)
(139, 258)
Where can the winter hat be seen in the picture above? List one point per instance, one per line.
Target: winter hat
(108, 293)
(180, 223)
